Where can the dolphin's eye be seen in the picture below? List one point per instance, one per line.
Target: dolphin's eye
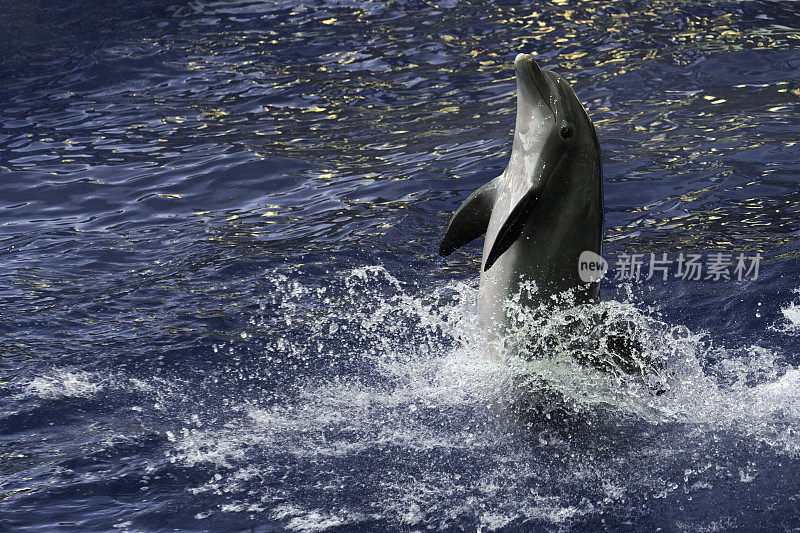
(566, 132)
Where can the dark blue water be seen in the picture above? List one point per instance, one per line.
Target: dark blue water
(222, 307)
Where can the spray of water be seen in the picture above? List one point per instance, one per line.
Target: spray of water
(368, 401)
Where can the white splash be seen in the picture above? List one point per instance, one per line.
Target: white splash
(423, 432)
(62, 384)
(791, 315)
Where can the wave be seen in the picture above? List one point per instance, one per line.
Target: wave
(400, 419)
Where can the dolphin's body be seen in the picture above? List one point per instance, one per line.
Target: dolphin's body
(544, 209)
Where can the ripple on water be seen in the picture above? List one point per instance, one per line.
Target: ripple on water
(191, 194)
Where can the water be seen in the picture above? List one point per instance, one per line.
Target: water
(222, 307)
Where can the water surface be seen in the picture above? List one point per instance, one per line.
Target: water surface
(222, 306)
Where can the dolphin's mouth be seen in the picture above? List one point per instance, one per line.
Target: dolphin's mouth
(532, 81)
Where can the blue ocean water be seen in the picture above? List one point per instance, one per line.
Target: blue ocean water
(221, 302)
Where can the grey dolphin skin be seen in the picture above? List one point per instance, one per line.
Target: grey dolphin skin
(544, 209)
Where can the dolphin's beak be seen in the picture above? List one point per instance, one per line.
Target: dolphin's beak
(532, 84)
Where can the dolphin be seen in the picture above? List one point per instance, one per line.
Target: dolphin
(544, 210)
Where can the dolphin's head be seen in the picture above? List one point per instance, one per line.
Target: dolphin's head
(551, 127)
(555, 148)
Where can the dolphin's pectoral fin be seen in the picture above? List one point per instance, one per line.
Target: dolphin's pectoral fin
(470, 220)
(511, 228)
